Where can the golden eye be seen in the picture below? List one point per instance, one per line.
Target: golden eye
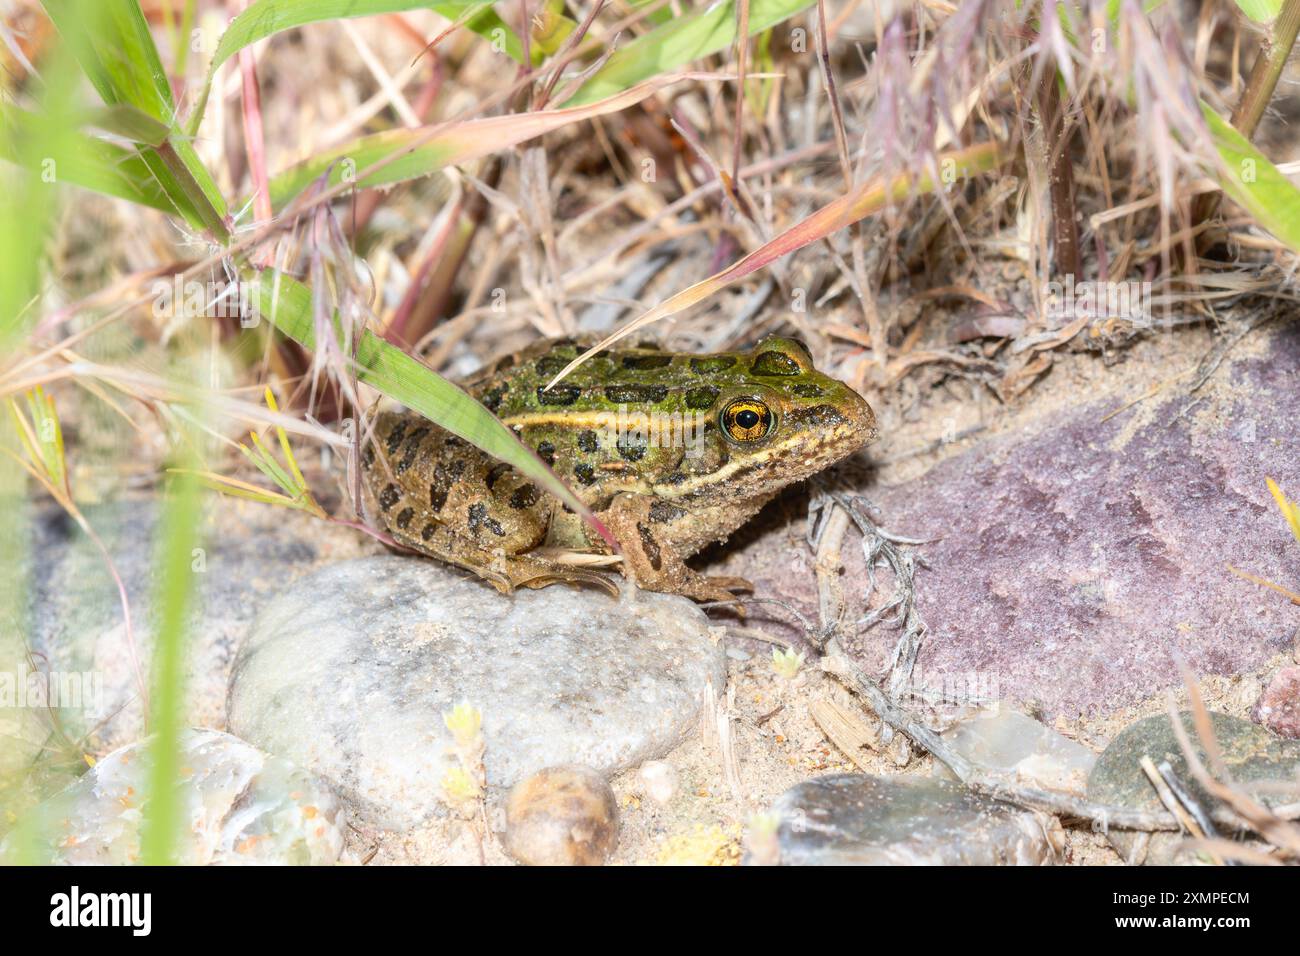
(747, 420)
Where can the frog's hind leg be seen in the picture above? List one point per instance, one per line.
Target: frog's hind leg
(440, 496)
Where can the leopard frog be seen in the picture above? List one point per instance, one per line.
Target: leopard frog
(671, 451)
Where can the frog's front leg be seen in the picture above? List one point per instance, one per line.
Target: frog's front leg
(655, 548)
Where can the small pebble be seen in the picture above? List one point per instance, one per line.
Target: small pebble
(1278, 707)
(562, 816)
(1265, 767)
(1020, 746)
(859, 820)
(241, 806)
(658, 781)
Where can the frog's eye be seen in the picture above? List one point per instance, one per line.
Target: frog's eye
(747, 420)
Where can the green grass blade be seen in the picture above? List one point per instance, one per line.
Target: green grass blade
(27, 204)
(705, 30)
(131, 123)
(1261, 11)
(265, 18)
(861, 201)
(112, 42)
(31, 140)
(172, 600)
(1255, 183)
(287, 303)
(81, 160)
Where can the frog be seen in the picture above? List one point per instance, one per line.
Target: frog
(671, 451)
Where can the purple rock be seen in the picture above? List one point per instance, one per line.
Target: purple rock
(1071, 566)
(1278, 708)
(1070, 559)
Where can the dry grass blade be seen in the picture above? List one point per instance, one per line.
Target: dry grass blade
(846, 730)
(401, 154)
(1250, 812)
(862, 201)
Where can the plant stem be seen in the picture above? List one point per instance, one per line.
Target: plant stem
(1273, 54)
(1060, 176)
(1264, 74)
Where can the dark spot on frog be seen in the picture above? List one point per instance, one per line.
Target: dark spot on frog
(368, 456)
(636, 394)
(389, 496)
(498, 472)
(427, 531)
(525, 496)
(412, 449)
(395, 437)
(492, 398)
(587, 440)
(584, 473)
(631, 448)
(560, 395)
(649, 546)
(642, 363)
(456, 469)
(404, 517)
(807, 390)
(546, 452)
(676, 478)
(437, 497)
(662, 511)
(451, 441)
(708, 364)
(775, 363)
(551, 365)
(702, 397)
(478, 518)
(819, 416)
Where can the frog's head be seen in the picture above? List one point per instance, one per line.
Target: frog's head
(779, 420)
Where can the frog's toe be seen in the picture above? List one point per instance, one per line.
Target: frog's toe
(574, 576)
(728, 583)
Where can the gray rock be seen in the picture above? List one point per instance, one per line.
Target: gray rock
(900, 821)
(349, 671)
(247, 552)
(1017, 744)
(242, 807)
(1264, 765)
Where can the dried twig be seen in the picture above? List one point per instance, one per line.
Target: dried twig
(976, 777)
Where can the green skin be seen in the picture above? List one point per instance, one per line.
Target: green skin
(671, 451)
